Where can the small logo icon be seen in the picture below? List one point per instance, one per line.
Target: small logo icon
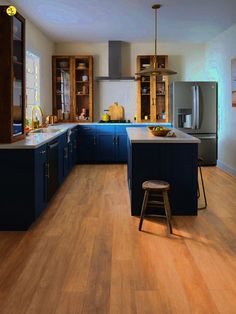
(11, 10)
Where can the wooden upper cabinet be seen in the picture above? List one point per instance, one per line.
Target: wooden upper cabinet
(12, 77)
(152, 92)
(73, 88)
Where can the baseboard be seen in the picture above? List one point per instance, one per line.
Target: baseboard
(226, 168)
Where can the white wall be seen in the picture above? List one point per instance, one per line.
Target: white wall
(219, 52)
(41, 45)
(187, 59)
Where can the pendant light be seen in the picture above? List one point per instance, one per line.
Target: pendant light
(153, 70)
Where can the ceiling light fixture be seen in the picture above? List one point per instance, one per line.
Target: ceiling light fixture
(154, 69)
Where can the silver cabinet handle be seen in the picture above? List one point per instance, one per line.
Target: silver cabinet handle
(94, 140)
(117, 140)
(197, 108)
(114, 140)
(43, 152)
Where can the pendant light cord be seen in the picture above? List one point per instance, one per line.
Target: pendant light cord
(155, 32)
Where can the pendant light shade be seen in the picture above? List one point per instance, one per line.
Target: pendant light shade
(154, 70)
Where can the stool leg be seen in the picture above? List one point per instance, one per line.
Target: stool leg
(167, 210)
(203, 189)
(143, 210)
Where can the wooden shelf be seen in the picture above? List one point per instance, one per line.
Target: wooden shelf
(82, 81)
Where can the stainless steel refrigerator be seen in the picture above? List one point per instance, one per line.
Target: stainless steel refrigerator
(193, 110)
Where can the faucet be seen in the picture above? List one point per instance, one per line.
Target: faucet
(36, 107)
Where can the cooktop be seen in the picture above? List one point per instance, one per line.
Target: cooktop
(115, 121)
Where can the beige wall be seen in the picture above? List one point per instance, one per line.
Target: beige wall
(219, 52)
(187, 59)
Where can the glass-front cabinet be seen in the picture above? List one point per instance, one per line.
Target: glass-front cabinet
(73, 88)
(12, 78)
(152, 92)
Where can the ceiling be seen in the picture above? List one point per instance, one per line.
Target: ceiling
(193, 21)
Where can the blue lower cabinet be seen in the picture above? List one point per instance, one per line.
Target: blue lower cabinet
(105, 143)
(40, 179)
(121, 148)
(106, 148)
(86, 144)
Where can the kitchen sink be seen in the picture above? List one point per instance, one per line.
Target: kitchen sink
(45, 130)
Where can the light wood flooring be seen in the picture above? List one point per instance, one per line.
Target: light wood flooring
(86, 255)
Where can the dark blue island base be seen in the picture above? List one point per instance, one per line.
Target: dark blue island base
(174, 163)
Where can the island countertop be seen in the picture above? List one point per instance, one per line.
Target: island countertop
(144, 136)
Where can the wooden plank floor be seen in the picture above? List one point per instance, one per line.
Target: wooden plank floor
(86, 255)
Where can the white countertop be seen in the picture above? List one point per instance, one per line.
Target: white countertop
(34, 140)
(144, 136)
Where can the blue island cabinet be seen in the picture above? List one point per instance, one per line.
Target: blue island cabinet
(174, 163)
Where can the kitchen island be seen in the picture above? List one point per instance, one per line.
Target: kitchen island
(172, 159)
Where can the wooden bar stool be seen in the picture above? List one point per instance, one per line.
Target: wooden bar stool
(200, 162)
(158, 189)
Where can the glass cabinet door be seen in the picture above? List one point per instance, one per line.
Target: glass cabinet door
(63, 87)
(18, 77)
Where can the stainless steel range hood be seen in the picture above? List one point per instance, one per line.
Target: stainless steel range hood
(115, 63)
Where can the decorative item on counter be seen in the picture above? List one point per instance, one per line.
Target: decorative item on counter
(135, 117)
(161, 131)
(145, 117)
(105, 116)
(83, 115)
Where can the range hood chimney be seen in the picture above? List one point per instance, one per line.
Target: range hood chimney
(115, 63)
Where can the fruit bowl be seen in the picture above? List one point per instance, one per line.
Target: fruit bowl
(158, 131)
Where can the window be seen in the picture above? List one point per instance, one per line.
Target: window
(32, 82)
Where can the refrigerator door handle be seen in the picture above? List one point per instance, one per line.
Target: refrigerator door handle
(197, 125)
(194, 107)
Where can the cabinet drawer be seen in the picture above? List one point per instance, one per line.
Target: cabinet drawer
(86, 129)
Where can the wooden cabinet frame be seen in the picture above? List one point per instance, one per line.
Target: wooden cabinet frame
(73, 60)
(7, 77)
(157, 101)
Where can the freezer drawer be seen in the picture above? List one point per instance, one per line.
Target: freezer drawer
(207, 149)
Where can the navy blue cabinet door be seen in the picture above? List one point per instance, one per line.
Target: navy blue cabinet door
(87, 148)
(40, 180)
(121, 148)
(106, 148)
(86, 144)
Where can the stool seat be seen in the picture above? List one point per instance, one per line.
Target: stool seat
(156, 185)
